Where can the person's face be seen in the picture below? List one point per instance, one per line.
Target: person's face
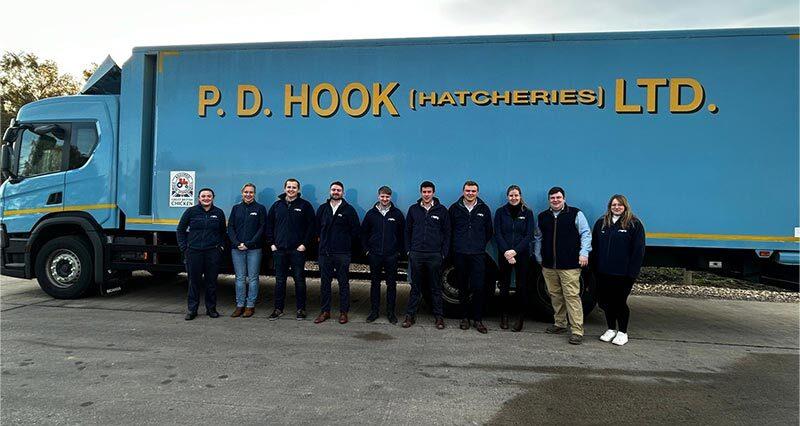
(557, 201)
(336, 192)
(248, 194)
(513, 197)
(385, 199)
(206, 198)
(427, 194)
(617, 207)
(470, 193)
(290, 189)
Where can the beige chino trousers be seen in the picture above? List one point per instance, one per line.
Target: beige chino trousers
(564, 287)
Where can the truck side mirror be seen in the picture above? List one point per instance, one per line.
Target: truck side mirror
(5, 162)
(11, 134)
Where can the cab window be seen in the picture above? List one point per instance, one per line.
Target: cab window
(41, 154)
(84, 140)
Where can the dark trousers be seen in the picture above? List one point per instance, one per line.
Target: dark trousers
(426, 272)
(470, 271)
(330, 266)
(284, 260)
(521, 269)
(383, 267)
(612, 294)
(202, 266)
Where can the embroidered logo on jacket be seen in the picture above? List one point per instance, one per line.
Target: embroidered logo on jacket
(253, 213)
(522, 217)
(435, 217)
(623, 230)
(213, 216)
(297, 210)
(391, 219)
(339, 214)
(480, 214)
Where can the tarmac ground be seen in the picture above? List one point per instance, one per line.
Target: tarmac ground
(131, 358)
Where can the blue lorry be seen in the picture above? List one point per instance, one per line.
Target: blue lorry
(699, 129)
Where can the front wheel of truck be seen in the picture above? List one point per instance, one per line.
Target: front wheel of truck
(64, 267)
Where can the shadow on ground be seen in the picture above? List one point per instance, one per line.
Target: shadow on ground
(738, 395)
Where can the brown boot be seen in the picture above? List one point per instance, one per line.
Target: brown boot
(322, 317)
(343, 318)
(518, 325)
(504, 321)
(238, 312)
(248, 312)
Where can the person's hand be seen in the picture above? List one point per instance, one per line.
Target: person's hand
(273, 247)
(583, 260)
(512, 261)
(242, 247)
(509, 254)
(301, 248)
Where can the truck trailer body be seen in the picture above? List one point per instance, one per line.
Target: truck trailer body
(699, 129)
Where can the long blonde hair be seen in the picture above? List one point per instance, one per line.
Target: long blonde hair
(627, 216)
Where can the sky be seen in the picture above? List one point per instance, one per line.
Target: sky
(77, 33)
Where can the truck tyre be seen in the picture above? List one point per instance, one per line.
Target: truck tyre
(539, 297)
(452, 305)
(64, 267)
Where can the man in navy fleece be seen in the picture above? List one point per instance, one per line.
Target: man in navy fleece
(289, 231)
(428, 244)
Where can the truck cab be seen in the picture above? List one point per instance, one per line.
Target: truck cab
(59, 173)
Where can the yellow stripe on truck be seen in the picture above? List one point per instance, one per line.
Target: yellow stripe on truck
(150, 221)
(74, 208)
(722, 237)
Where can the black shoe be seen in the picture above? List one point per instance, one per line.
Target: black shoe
(480, 327)
(213, 313)
(518, 325)
(392, 318)
(372, 316)
(575, 339)
(275, 315)
(554, 329)
(301, 315)
(190, 316)
(464, 324)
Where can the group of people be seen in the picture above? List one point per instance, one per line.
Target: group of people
(429, 233)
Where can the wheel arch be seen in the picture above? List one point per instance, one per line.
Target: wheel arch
(62, 224)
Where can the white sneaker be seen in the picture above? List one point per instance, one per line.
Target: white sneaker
(608, 335)
(620, 339)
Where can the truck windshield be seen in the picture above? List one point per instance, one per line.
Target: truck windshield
(39, 154)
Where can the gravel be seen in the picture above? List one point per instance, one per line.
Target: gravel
(670, 282)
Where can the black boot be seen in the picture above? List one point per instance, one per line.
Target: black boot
(518, 325)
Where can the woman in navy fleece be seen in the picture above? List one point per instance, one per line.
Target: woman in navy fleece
(246, 232)
(618, 242)
(513, 230)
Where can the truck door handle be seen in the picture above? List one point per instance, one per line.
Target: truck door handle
(54, 198)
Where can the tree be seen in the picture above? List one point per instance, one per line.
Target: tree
(87, 73)
(25, 78)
